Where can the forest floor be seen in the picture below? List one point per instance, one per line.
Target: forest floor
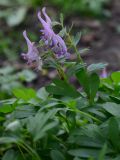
(103, 38)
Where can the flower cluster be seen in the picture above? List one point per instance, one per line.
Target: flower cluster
(51, 42)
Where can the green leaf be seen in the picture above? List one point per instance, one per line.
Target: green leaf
(26, 75)
(62, 32)
(50, 105)
(24, 93)
(76, 158)
(62, 88)
(115, 76)
(83, 51)
(6, 108)
(6, 70)
(17, 16)
(96, 67)
(5, 140)
(13, 126)
(114, 133)
(2, 118)
(9, 101)
(55, 23)
(41, 123)
(42, 93)
(117, 157)
(72, 70)
(85, 141)
(112, 108)
(115, 99)
(23, 111)
(103, 152)
(5, 3)
(12, 155)
(94, 85)
(57, 155)
(61, 19)
(83, 78)
(76, 38)
(84, 152)
(107, 83)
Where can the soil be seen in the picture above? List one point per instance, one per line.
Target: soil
(103, 38)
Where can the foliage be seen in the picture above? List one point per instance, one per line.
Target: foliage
(61, 121)
(15, 11)
(43, 125)
(86, 7)
(7, 49)
(11, 78)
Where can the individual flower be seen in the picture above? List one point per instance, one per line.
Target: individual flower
(104, 73)
(32, 56)
(51, 40)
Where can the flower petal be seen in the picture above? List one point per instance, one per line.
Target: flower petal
(48, 20)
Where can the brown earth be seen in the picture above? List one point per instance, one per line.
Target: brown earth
(103, 38)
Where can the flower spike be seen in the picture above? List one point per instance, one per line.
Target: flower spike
(51, 40)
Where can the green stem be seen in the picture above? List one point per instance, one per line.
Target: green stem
(29, 150)
(87, 115)
(61, 73)
(21, 152)
(76, 51)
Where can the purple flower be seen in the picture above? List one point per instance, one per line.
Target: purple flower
(32, 56)
(48, 20)
(60, 48)
(104, 73)
(51, 40)
(47, 28)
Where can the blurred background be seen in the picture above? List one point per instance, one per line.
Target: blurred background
(97, 20)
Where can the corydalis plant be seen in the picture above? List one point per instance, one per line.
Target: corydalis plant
(51, 42)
